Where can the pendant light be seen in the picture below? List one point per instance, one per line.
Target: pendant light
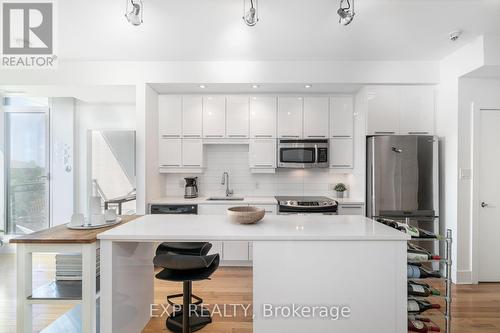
(346, 12)
(251, 15)
(134, 13)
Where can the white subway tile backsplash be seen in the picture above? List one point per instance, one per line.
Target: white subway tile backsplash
(234, 159)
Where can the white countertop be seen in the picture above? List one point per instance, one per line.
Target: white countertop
(248, 200)
(271, 228)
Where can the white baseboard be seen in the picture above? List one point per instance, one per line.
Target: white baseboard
(463, 277)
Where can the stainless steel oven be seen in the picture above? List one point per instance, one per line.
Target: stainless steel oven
(303, 154)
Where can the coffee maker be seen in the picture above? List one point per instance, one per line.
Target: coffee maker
(191, 189)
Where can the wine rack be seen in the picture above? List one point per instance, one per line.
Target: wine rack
(445, 271)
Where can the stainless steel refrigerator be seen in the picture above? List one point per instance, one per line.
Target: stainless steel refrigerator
(403, 178)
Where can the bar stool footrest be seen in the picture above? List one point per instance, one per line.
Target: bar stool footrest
(197, 300)
(199, 319)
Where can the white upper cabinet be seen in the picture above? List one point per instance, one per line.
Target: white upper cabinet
(262, 153)
(214, 117)
(192, 153)
(341, 117)
(263, 117)
(417, 110)
(290, 115)
(383, 109)
(237, 120)
(192, 115)
(170, 116)
(170, 153)
(316, 116)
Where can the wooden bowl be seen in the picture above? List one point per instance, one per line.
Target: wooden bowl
(245, 214)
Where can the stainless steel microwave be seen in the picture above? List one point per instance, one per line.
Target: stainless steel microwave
(303, 154)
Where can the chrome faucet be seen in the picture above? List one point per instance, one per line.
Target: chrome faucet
(225, 181)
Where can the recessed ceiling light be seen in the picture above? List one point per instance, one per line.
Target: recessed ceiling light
(307, 86)
(202, 86)
(255, 86)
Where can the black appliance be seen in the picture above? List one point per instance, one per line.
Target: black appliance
(306, 205)
(173, 209)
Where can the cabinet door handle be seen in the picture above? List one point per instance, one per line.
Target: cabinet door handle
(264, 165)
(170, 165)
(192, 136)
(263, 136)
(289, 136)
(237, 136)
(214, 136)
(170, 136)
(418, 132)
(341, 166)
(351, 207)
(341, 136)
(192, 165)
(316, 136)
(381, 132)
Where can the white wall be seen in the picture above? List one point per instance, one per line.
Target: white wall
(461, 62)
(149, 180)
(62, 175)
(96, 116)
(474, 95)
(234, 159)
(2, 167)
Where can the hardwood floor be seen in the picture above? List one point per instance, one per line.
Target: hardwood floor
(476, 308)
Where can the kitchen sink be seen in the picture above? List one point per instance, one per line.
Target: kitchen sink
(225, 199)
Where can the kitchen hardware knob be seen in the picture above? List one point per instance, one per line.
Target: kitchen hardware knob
(484, 204)
(397, 150)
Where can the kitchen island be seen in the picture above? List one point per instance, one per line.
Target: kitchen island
(339, 263)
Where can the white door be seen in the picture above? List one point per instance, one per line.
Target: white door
(262, 153)
(290, 117)
(316, 116)
(262, 117)
(170, 153)
(214, 117)
(237, 121)
(488, 195)
(192, 153)
(170, 116)
(417, 110)
(192, 115)
(383, 110)
(341, 116)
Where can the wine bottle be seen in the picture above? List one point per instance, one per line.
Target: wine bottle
(414, 232)
(417, 253)
(421, 326)
(421, 289)
(417, 306)
(417, 272)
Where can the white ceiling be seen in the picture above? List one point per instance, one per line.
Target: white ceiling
(244, 88)
(90, 94)
(302, 30)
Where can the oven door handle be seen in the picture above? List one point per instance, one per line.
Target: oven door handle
(316, 153)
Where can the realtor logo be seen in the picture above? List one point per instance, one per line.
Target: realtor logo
(28, 34)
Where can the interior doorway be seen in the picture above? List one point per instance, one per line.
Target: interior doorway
(487, 194)
(26, 174)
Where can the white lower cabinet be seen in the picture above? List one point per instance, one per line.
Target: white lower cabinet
(351, 209)
(262, 154)
(341, 153)
(170, 154)
(232, 252)
(180, 155)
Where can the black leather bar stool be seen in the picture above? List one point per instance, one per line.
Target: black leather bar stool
(184, 248)
(186, 269)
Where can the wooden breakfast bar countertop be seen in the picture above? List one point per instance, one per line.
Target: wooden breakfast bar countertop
(62, 235)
